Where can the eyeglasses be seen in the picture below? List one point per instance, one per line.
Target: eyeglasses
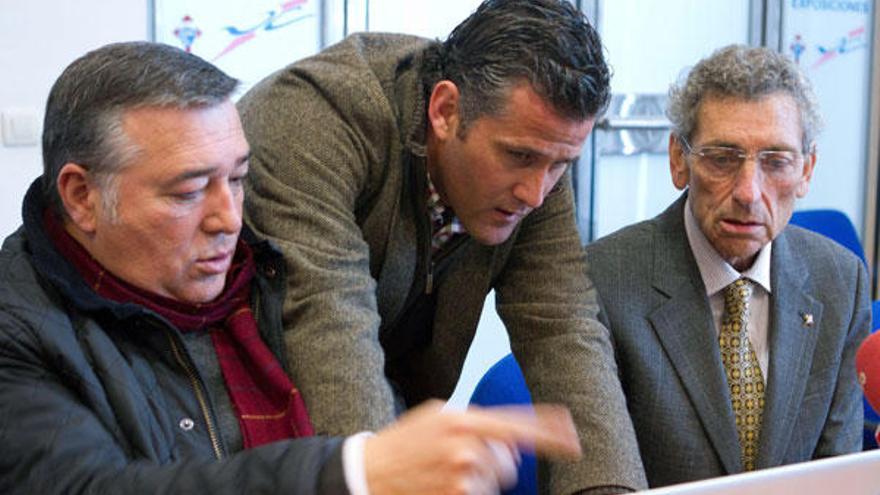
(725, 161)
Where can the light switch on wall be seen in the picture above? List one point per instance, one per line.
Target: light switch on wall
(20, 126)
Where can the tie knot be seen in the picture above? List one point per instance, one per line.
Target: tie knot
(738, 292)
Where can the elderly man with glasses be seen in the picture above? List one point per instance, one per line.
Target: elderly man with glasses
(735, 333)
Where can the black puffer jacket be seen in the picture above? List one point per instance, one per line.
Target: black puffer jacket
(95, 395)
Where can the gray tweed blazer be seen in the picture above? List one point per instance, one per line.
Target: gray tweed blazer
(654, 301)
(338, 182)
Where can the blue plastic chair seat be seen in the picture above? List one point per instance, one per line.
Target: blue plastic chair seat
(502, 385)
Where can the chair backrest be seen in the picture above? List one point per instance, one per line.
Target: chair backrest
(837, 226)
(833, 224)
(503, 384)
(875, 316)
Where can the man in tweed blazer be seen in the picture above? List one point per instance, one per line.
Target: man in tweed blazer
(744, 124)
(368, 162)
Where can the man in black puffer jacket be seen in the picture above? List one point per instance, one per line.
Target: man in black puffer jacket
(140, 333)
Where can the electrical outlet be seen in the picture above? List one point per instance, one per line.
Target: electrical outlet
(20, 127)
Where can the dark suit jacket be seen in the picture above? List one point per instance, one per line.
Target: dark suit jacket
(654, 302)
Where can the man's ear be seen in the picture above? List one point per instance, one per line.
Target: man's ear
(678, 166)
(443, 109)
(79, 196)
(809, 164)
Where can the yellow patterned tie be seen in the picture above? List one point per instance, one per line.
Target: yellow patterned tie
(743, 371)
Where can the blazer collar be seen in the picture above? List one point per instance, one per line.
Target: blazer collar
(791, 341)
(684, 327)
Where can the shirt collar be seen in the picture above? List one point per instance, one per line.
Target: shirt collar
(445, 225)
(716, 272)
(436, 209)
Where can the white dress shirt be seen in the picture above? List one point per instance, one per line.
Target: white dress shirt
(718, 274)
(353, 463)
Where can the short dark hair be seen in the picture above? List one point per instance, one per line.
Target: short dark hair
(83, 122)
(547, 43)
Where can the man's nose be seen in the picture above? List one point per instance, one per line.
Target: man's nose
(748, 182)
(224, 211)
(532, 187)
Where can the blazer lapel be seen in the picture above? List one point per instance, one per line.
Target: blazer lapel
(685, 328)
(791, 343)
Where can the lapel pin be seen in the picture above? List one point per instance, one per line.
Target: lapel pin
(808, 319)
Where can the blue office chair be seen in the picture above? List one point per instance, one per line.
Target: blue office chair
(504, 384)
(837, 226)
(833, 224)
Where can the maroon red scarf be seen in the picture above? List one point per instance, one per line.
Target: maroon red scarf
(268, 406)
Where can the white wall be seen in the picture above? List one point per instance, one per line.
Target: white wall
(490, 344)
(37, 40)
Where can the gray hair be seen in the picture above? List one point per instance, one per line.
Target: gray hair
(547, 43)
(83, 122)
(743, 72)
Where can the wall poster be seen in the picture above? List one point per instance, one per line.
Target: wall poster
(248, 40)
(831, 41)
